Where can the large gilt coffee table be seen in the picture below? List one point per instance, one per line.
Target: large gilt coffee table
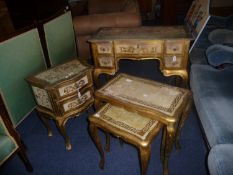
(167, 104)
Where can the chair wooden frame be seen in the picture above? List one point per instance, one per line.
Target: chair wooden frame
(14, 134)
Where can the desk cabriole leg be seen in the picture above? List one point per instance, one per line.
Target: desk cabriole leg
(96, 77)
(184, 77)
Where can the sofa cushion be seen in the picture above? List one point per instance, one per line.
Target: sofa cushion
(213, 97)
(220, 160)
(218, 54)
(221, 36)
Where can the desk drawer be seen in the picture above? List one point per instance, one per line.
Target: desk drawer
(173, 61)
(106, 61)
(104, 48)
(174, 47)
(138, 47)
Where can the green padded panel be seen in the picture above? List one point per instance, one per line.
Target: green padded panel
(7, 147)
(20, 57)
(2, 128)
(60, 39)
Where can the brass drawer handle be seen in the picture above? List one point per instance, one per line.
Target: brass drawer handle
(79, 84)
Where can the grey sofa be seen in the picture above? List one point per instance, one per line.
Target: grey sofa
(213, 97)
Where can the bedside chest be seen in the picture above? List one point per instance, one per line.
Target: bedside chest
(63, 92)
(168, 44)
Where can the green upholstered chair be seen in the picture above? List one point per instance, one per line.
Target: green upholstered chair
(60, 39)
(10, 142)
(20, 57)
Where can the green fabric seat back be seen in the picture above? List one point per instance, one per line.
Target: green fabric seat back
(7, 144)
(7, 147)
(2, 128)
(60, 39)
(20, 57)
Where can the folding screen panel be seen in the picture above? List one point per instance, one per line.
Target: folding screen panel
(20, 57)
(60, 39)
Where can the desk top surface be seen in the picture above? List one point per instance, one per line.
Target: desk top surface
(145, 32)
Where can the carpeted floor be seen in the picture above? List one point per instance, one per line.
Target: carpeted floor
(49, 157)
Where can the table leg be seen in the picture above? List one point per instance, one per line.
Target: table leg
(96, 139)
(181, 73)
(107, 146)
(184, 116)
(45, 122)
(96, 74)
(61, 127)
(97, 104)
(162, 146)
(169, 141)
(184, 77)
(145, 157)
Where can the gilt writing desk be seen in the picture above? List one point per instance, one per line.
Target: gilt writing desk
(168, 44)
(168, 104)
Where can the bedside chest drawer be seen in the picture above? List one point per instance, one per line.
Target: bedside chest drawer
(74, 85)
(75, 102)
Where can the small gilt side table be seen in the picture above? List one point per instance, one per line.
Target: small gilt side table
(129, 126)
(168, 104)
(62, 92)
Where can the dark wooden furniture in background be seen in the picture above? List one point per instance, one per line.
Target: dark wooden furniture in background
(6, 26)
(172, 10)
(26, 12)
(145, 7)
(221, 8)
